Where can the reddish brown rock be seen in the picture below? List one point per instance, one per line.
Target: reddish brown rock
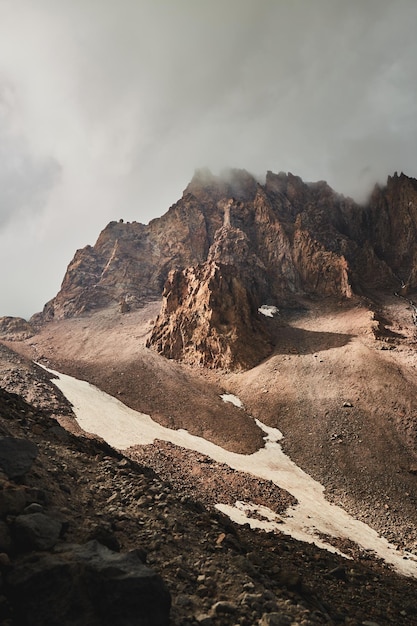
(231, 244)
(393, 227)
(209, 318)
(210, 313)
(307, 237)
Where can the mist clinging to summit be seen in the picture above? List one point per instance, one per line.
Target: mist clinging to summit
(106, 110)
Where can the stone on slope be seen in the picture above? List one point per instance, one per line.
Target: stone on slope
(36, 531)
(16, 456)
(88, 584)
(15, 328)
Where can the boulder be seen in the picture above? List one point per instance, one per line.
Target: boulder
(15, 329)
(88, 584)
(13, 499)
(16, 456)
(36, 531)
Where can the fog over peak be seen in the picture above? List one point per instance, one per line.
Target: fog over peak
(107, 109)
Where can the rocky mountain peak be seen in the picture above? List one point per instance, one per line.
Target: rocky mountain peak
(392, 218)
(236, 183)
(279, 241)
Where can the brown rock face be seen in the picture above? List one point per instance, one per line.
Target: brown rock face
(15, 329)
(393, 227)
(210, 313)
(231, 244)
(130, 262)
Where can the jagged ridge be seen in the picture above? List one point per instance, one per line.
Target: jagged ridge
(231, 244)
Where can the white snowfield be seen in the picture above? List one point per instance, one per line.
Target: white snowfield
(308, 521)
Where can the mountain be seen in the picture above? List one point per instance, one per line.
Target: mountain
(290, 297)
(231, 245)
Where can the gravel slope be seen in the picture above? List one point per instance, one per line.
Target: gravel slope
(217, 573)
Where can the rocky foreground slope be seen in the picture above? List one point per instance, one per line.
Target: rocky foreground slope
(89, 536)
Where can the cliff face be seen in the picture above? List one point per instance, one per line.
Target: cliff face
(393, 227)
(231, 244)
(209, 313)
(15, 329)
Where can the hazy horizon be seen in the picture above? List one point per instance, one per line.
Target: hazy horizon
(107, 109)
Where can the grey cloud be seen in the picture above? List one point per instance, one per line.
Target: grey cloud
(25, 181)
(130, 97)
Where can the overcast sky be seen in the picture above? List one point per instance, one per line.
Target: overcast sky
(108, 106)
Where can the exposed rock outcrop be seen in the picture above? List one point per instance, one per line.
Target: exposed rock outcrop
(209, 318)
(231, 244)
(210, 313)
(15, 328)
(392, 219)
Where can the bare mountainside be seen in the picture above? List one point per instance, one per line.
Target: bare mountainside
(341, 279)
(231, 245)
(80, 517)
(339, 385)
(289, 296)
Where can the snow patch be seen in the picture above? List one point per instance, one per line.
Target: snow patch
(262, 518)
(256, 515)
(229, 397)
(312, 518)
(273, 435)
(268, 310)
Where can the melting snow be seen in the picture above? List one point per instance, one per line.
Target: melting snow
(229, 397)
(309, 520)
(268, 311)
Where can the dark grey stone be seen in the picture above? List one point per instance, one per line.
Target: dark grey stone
(275, 619)
(36, 531)
(5, 538)
(16, 456)
(88, 584)
(13, 500)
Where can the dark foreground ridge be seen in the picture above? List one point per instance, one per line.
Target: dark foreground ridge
(88, 536)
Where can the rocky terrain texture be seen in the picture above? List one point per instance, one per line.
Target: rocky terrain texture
(338, 374)
(340, 384)
(15, 328)
(90, 536)
(231, 244)
(334, 369)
